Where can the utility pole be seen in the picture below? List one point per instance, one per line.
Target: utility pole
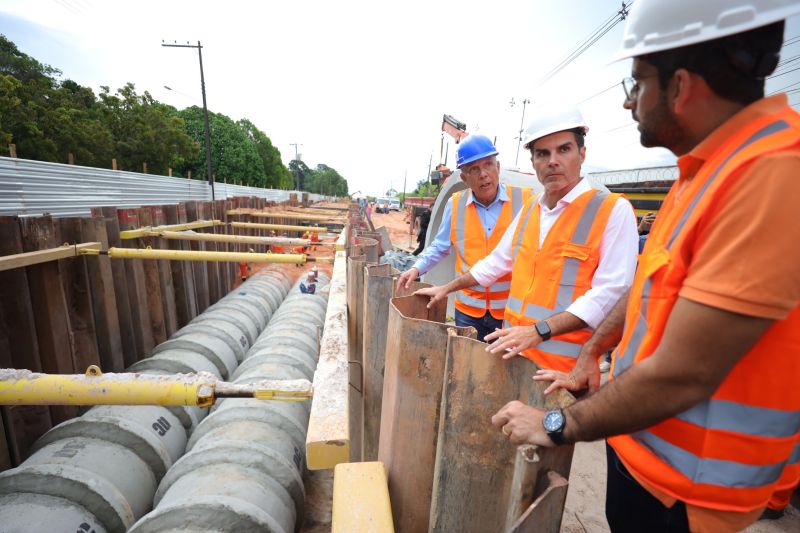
(209, 170)
(521, 126)
(430, 162)
(405, 175)
(296, 169)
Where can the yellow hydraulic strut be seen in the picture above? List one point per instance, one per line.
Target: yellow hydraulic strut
(23, 387)
(198, 255)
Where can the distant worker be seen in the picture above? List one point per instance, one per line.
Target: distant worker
(702, 411)
(473, 222)
(571, 253)
(424, 221)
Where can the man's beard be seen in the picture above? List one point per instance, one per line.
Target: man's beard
(662, 129)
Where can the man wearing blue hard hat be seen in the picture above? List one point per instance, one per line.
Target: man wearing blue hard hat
(572, 251)
(473, 223)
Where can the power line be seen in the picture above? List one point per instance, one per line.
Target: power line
(782, 73)
(603, 29)
(601, 92)
(784, 88)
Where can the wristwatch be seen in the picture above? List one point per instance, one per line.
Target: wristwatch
(554, 422)
(543, 329)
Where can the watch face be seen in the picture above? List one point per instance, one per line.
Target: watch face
(553, 421)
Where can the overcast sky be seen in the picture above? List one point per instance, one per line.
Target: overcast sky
(361, 85)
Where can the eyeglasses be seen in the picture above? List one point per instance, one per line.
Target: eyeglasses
(474, 171)
(631, 86)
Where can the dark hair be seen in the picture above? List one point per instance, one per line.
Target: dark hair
(580, 137)
(734, 67)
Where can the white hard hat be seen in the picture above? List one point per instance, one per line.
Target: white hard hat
(657, 25)
(551, 119)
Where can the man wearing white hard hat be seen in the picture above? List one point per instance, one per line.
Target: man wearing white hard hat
(571, 251)
(702, 411)
(473, 222)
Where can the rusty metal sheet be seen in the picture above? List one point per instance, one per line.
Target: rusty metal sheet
(412, 390)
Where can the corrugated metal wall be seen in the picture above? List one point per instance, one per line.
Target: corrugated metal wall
(35, 187)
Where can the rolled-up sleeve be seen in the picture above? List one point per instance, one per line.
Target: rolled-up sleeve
(615, 269)
(440, 247)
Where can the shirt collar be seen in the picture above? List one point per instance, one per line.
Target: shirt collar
(581, 187)
(690, 163)
(502, 195)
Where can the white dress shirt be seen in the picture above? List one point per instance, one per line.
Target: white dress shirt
(614, 274)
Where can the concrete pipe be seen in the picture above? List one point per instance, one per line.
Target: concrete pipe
(212, 348)
(23, 512)
(101, 470)
(229, 333)
(108, 480)
(244, 463)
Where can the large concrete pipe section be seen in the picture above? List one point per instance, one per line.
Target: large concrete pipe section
(98, 472)
(243, 469)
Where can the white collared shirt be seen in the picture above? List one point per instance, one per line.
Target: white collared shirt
(615, 269)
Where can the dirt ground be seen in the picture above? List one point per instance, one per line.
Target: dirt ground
(398, 224)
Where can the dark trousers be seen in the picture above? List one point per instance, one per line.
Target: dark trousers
(631, 509)
(485, 324)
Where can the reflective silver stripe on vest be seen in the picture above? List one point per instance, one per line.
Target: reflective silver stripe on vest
(534, 311)
(499, 286)
(523, 223)
(731, 416)
(767, 130)
(463, 196)
(516, 200)
(639, 329)
(710, 471)
(794, 459)
(569, 272)
(641, 325)
(480, 304)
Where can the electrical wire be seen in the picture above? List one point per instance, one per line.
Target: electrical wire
(595, 36)
(616, 85)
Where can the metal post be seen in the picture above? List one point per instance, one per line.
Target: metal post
(205, 123)
(521, 125)
(209, 169)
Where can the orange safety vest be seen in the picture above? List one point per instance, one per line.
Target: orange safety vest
(547, 281)
(732, 451)
(468, 238)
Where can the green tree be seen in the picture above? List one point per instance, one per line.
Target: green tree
(234, 156)
(145, 130)
(326, 180)
(277, 175)
(301, 174)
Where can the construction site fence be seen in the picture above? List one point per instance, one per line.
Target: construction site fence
(30, 187)
(635, 175)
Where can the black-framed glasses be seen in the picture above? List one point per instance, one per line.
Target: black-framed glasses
(631, 86)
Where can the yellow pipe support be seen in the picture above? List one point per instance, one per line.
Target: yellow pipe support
(23, 387)
(241, 239)
(361, 499)
(198, 255)
(145, 231)
(277, 227)
(296, 216)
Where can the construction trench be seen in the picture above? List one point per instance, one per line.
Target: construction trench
(158, 392)
(150, 393)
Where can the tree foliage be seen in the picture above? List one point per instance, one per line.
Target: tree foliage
(48, 118)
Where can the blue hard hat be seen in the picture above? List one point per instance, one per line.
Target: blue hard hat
(473, 148)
